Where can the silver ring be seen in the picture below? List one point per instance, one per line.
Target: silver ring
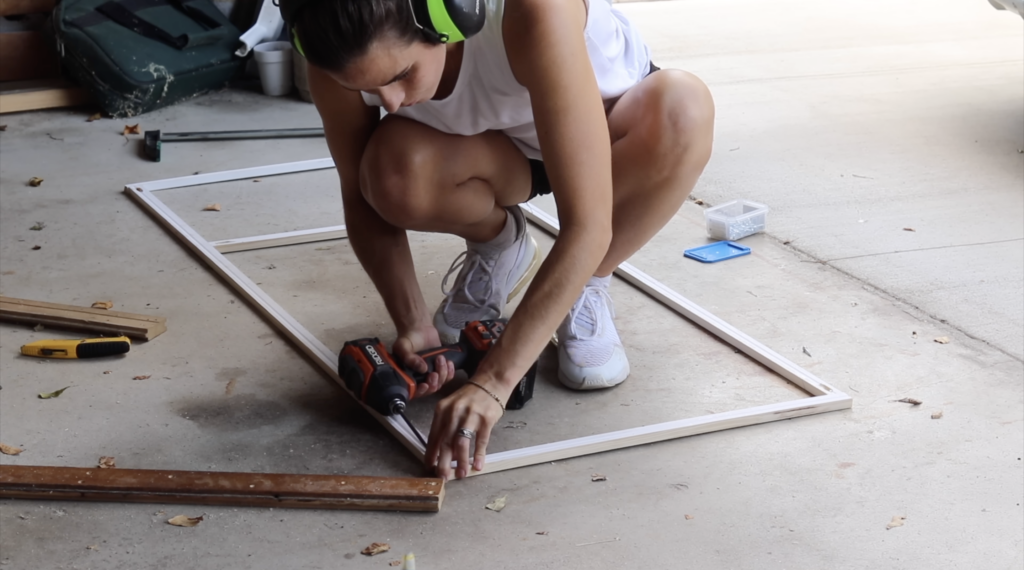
(466, 433)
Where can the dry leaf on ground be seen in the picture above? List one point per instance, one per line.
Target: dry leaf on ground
(94, 117)
(35, 181)
(103, 305)
(937, 415)
(182, 520)
(146, 377)
(37, 247)
(497, 504)
(688, 517)
(10, 449)
(911, 401)
(895, 522)
(542, 533)
(38, 227)
(106, 462)
(596, 477)
(942, 339)
(375, 549)
(131, 130)
(48, 395)
(212, 208)
(909, 230)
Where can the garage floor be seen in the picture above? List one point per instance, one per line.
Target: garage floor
(853, 123)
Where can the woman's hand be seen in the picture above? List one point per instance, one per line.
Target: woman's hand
(422, 338)
(467, 415)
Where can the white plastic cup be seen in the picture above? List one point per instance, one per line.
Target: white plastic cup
(274, 61)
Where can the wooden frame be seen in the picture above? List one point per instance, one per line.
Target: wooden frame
(823, 397)
(70, 317)
(275, 490)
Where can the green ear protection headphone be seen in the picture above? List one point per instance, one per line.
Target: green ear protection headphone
(443, 21)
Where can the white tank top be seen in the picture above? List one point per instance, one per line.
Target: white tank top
(487, 96)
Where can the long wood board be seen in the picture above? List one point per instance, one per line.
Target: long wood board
(278, 240)
(322, 356)
(54, 315)
(277, 490)
(36, 94)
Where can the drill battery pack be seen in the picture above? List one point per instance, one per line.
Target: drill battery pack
(524, 390)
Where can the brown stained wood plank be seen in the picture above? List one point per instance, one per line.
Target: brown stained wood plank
(17, 7)
(58, 316)
(221, 488)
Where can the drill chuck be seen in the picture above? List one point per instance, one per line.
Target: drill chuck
(397, 406)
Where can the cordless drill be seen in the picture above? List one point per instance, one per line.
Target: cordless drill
(372, 374)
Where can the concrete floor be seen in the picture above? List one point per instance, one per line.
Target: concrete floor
(851, 122)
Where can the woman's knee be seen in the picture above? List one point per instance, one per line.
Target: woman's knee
(394, 173)
(678, 122)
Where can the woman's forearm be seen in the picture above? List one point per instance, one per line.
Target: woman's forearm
(573, 259)
(383, 251)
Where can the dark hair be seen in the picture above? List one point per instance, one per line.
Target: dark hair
(333, 33)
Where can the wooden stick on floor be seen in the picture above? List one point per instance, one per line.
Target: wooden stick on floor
(35, 94)
(70, 317)
(276, 490)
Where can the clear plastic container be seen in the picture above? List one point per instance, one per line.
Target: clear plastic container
(736, 220)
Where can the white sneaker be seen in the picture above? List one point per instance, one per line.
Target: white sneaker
(590, 353)
(491, 275)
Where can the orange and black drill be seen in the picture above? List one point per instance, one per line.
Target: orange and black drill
(372, 374)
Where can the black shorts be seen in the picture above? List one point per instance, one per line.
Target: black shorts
(540, 185)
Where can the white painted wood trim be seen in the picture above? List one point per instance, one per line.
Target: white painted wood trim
(709, 322)
(825, 398)
(288, 326)
(284, 238)
(239, 174)
(631, 437)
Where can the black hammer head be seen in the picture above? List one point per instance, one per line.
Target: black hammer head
(152, 145)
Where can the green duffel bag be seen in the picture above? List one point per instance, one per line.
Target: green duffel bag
(140, 55)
